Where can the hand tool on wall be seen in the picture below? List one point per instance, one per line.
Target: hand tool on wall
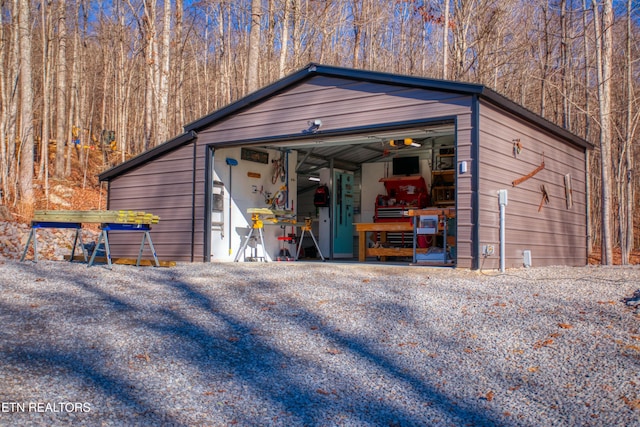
(545, 197)
(529, 175)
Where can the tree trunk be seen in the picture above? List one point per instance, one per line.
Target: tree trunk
(564, 64)
(26, 107)
(61, 92)
(253, 60)
(604, 51)
(628, 245)
(445, 42)
(149, 26)
(179, 73)
(4, 104)
(163, 86)
(43, 167)
(297, 32)
(587, 121)
(284, 40)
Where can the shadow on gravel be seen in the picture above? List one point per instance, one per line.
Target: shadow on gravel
(39, 353)
(330, 400)
(281, 383)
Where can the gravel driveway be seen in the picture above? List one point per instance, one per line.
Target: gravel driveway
(317, 344)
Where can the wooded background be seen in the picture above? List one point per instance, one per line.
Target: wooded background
(125, 76)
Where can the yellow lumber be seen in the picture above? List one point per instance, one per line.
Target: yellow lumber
(121, 217)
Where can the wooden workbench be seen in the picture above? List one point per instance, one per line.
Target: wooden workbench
(382, 227)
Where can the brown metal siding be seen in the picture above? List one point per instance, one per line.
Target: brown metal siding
(199, 205)
(555, 235)
(340, 104)
(464, 194)
(163, 187)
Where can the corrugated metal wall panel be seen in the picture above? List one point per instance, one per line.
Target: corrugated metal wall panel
(556, 235)
(337, 107)
(161, 167)
(199, 205)
(162, 187)
(464, 194)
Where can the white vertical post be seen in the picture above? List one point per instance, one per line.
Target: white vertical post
(502, 200)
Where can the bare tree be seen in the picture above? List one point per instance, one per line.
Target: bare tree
(163, 77)
(253, 59)
(26, 106)
(627, 191)
(284, 39)
(603, 21)
(445, 42)
(61, 89)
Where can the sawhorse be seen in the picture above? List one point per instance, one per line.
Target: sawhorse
(42, 224)
(307, 227)
(145, 228)
(257, 225)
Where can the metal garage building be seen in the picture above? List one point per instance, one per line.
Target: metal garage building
(469, 141)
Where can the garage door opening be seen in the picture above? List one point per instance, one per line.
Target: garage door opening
(378, 178)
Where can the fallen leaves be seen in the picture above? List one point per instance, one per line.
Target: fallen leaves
(565, 325)
(211, 393)
(144, 356)
(325, 392)
(632, 403)
(632, 347)
(542, 343)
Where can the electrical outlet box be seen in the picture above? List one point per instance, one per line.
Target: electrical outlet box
(502, 197)
(488, 250)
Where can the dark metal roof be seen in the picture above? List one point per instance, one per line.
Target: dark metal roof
(313, 69)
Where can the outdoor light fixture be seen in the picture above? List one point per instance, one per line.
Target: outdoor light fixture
(314, 178)
(314, 125)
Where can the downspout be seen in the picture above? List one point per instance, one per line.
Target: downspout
(502, 200)
(208, 188)
(108, 193)
(588, 203)
(193, 203)
(475, 181)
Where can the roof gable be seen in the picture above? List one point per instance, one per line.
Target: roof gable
(313, 69)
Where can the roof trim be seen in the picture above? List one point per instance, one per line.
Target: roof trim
(316, 69)
(393, 79)
(147, 156)
(313, 69)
